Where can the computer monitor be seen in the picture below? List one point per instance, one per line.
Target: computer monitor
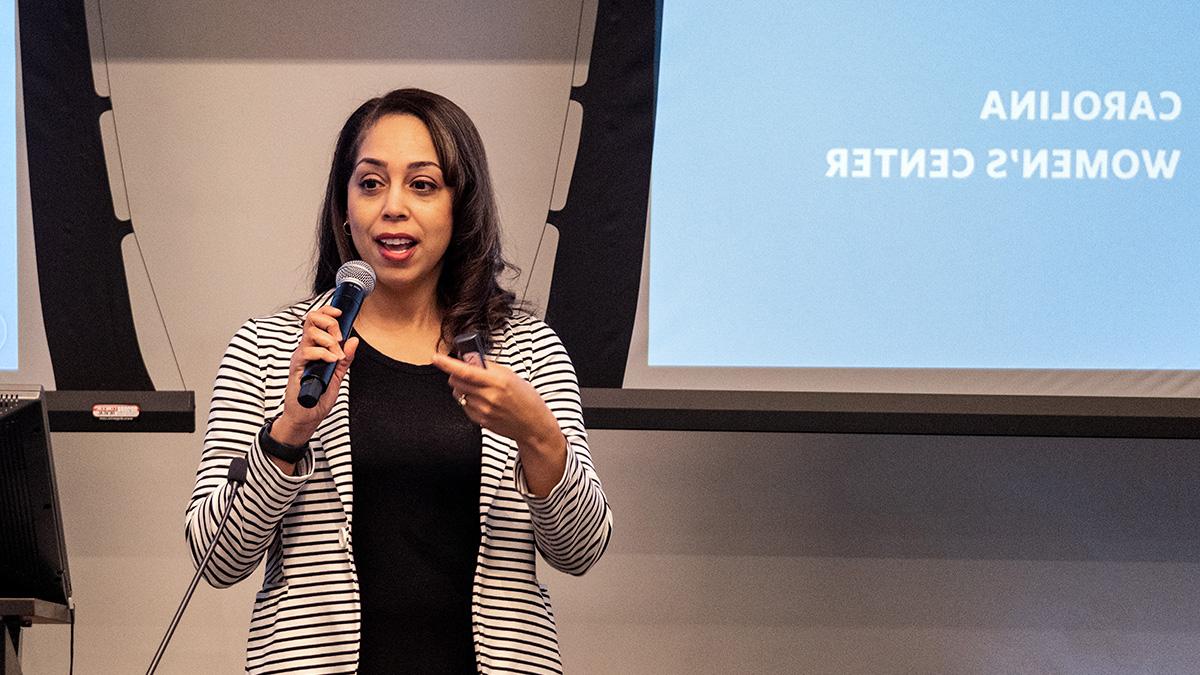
(33, 556)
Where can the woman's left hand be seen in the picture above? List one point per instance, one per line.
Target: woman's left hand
(500, 401)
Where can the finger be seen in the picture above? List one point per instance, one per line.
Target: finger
(463, 371)
(448, 365)
(327, 323)
(329, 310)
(350, 349)
(475, 417)
(326, 313)
(314, 335)
(461, 386)
(474, 406)
(323, 341)
(316, 354)
(344, 365)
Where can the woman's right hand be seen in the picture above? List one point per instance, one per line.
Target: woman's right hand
(320, 341)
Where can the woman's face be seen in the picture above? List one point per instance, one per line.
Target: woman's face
(398, 205)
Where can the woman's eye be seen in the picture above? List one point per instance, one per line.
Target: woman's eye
(423, 185)
(370, 184)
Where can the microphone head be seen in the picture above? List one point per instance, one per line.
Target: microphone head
(358, 273)
(237, 469)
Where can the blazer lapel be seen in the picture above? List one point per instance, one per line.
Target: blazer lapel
(334, 434)
(499, 452)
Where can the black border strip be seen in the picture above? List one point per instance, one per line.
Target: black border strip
(926, 414)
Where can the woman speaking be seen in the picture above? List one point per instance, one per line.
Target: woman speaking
(399, 518)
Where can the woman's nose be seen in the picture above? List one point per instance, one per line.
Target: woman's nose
(396, 206)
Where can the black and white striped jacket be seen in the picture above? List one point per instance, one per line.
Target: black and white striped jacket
(306, 616)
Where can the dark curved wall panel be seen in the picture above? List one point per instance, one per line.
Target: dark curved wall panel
(85, 297)
(602, 227)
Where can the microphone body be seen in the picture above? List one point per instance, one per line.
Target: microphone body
(356, 280)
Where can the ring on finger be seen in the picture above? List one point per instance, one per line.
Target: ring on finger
(462, 400)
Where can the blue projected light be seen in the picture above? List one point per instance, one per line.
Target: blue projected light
(8, 188)
(927, 185)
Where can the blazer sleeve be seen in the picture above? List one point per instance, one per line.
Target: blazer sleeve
(573, 523)
(237, 413)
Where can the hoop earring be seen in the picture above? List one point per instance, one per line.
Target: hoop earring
(346, 228)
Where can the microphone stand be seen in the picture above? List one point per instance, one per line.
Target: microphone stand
(237, 476)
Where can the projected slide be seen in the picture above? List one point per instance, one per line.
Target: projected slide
(8, 190)
(927, 185)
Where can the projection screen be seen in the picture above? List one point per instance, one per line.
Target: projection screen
(926, 200)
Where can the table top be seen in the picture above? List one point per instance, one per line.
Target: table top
(33, 610)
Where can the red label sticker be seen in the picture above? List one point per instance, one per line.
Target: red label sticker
(116, 412)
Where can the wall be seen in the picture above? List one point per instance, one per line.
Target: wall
(733, 552)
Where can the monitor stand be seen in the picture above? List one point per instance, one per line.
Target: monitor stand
(18, 613)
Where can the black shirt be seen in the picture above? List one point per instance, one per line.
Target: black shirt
(416, 465)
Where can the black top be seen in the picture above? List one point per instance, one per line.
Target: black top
(416, 464)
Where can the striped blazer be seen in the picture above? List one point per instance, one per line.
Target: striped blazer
(306, 616)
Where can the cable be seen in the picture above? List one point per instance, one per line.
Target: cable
(237, 475)
(72, 666)
(125, 189)
(561, 140)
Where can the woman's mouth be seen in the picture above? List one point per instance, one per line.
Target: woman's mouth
(396, 247)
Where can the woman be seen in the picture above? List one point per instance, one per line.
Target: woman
(399, 518)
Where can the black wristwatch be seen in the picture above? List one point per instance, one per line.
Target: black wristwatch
(288, 453)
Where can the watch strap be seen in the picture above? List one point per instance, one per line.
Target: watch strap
(288, 453)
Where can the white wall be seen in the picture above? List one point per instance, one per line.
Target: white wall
(732, 552)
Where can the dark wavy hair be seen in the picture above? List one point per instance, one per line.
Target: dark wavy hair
(468, 291)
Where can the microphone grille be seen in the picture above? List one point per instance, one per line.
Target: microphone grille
(357, 272)
(237, 469)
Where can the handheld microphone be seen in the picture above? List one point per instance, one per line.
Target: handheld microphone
(236, 477)
(355, 281)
